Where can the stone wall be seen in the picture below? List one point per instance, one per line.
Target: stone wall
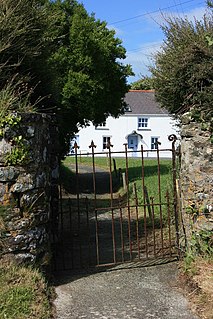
(196, 176)
(28, 189)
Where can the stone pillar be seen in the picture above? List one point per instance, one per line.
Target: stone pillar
(196, 175)
(26, 186)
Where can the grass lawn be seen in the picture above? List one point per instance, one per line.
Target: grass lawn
(134, 172)
(23, 293)
(157, 185)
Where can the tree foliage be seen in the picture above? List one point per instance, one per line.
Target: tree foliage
(67, 59)
(210, 4)
(183, 70)
(145, 83)
(90, 79)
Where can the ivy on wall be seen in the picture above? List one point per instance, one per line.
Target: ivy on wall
(10, 131)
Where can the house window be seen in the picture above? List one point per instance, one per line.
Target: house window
(101, 126)
(127, 108)
(154, 141)
(106, 140)
(142, 122)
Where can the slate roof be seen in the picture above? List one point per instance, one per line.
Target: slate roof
(143, 102)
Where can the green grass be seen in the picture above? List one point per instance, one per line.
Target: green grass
(151, 179)
(23, 293)
(134, 173)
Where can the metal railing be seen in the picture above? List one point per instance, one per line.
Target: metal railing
(109, 218)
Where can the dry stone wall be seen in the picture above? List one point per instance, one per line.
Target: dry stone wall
(28, 188)
(196, 176)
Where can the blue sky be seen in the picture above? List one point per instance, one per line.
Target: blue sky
(137, 24)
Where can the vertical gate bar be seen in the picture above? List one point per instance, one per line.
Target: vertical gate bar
(97, 238)
(61, 201)
(93, 146)
(62, 225)
(71, 230)
(78, 200)
(53, 242)
(169, 223)
(121, 229)
(61, 208)
(113, 237)
(88, 229)
(173, 139)
(145, 232)
(159, 196)
(128, 206)
(53, 231)
(144, 198)
(137, 222)
(153, 224)
(109, 145)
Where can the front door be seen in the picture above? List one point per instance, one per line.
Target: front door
(133, 144)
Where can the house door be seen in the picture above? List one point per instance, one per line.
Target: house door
(133, 143)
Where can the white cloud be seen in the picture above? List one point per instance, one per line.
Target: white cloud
(191, 15)
(142, 58)
(117, 30)
(196, 13)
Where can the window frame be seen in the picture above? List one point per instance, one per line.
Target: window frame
(101, 126)
(153, 144)
(143, 123)
(105, 143)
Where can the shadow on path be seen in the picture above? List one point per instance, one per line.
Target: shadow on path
(142, 293)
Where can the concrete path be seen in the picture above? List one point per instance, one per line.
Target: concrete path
(142, 293)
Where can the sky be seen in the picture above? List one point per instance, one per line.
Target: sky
(137, 24)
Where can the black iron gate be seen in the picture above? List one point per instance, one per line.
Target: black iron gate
(123, 214)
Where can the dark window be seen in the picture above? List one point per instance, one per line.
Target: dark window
(154, 141)
(101, 126)
(142, 122)
(106, 140)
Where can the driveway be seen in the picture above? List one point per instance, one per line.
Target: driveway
(140, 292)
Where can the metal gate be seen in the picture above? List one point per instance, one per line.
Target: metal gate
(120, 215)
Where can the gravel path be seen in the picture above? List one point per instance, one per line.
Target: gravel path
(86, 179)
(142, 293)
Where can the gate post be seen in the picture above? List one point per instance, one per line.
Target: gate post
(173, 139)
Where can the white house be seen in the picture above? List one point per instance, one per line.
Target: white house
(144, 122)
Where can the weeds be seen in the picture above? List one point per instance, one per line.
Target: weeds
(197, 279)
(14, 97)
(197, 270)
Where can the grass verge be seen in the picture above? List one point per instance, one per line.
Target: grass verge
(197, 279)
(23, 293)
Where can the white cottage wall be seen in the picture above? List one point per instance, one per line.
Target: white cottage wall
(159, 126)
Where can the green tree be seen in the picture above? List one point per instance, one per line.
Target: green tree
(183, 70)
(145, 83)
(90, 81)
(65, 58)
